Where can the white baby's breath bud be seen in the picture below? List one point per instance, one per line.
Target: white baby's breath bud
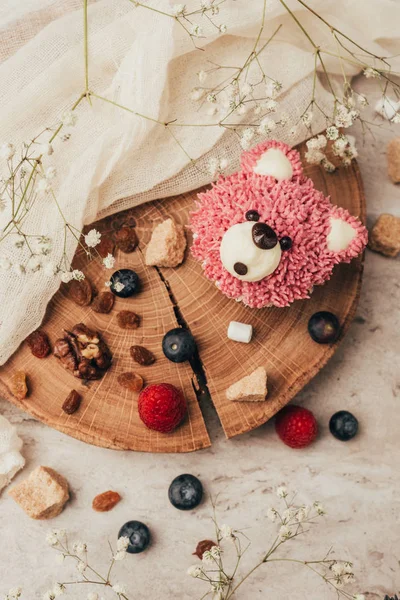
(92, 238)
(371, 73)
(273, 88)
(362, 100)
(211, 98)
(202, 75)
(43, 186)
(66, 276)
(118, 287)
(178, 10)
(396, 119)
(49, 595)
(5, 264)
(92, 596)
(78, 276)
(282, 492)
(196, 94)
(293, 131)
(206, 4)
(270, 105)
(7, 151)
(332, 133)
(194, 571)
(108, 283)
(81, 566)
(19, 270)
(59, 589)
(285, 532)
(328, 165)
(246, 89)
(119, 588)
(307, 118)
(358, 597)
(80, 548)
(317, 143)
(216, 551)
(225, 532)
(223, 28)
(314, 157)
(15, 592)
(302, 513)
(207, 557)
(272, 514)
(121, 555)
(288, 514)
(34, 263)
(69, 118)
(196, 31)
(46, 149)
(51, 172)
(123, 543)
(266, 126)
(319, 508)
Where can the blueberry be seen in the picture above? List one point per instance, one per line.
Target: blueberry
(343, 425)
(185, 492)
(129, 279)
(138, 534)
(324, 327)
(178, 345)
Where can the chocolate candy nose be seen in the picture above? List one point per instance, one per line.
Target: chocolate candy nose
(264, 236)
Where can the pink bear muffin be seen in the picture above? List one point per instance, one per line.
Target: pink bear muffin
(266, 236)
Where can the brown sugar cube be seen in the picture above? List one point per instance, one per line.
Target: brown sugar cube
(43, 494)
(393, 159)
(167, 245)
(384, 237)
(252, 388)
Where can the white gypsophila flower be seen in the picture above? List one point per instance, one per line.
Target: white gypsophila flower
(49, 595)
(19, 270)
(319, 508)
(396, 119)
(50, 173)
(119, 588)
(80, 548)
(202, 75)
(307, 118)
(226, 532)
(34, 263)
(15, 592)
(69, 118)
(371, 73)
(92, 238)
(248, 134)
(206, 4)
(270, 105)
(358, 597)
(288, 514)
(281, 491)
(266, 126)
(211, 98)
(216, 551)
(81, 566)
(362, 100)
(196, 31)
(194, 571)
(92, 596)
(246, 89)
(78, 275)
(284, 119)
(314, 157)
(196, 94)
(5, 264)
(46, 149)
(345, 117)
(121, 555)
(7, 151)
(332, 133)
(223, 28)
(273, 88)
(285, 532)
(118, 287)
(207, 557)
(66, 276)
(317, 143)
(328, 165)
(59, 589)
(43, 186)
(272, 514)
(178, 10)
(19, 241)
(293, 131)
(108, 283)
(41, 245)
(302, 513)
(123, 543)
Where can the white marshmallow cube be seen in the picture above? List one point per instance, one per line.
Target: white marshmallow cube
(240, 332)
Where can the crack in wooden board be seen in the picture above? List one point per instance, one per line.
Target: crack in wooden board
(108, 416)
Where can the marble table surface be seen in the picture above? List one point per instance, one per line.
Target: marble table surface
(358, 482)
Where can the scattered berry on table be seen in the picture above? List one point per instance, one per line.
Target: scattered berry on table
(124, 283)
(162, 407)
(138, 534)
(343, 425)
(296, 426)
(324, 327)
(179, 345)
(185, 492)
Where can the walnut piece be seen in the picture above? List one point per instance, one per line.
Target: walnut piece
(83, 352)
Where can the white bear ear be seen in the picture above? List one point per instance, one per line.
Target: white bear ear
(340, 235)
(275, 163)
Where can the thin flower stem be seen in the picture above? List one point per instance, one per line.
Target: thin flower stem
(85, 43)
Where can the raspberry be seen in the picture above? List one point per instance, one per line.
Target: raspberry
(162, 407)
(296, 426)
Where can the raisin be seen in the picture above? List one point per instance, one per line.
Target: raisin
(72, 402)
(128, 319)
(18, 385)
(103, 303)
(105, 501)
(106, 246)
(130, 381)
(142, 356)
(80, 292)
(126, 239)
(39, 344)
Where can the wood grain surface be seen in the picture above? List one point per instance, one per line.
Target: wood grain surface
(108, 415)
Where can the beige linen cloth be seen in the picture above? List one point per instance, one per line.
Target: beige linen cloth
(146, 61)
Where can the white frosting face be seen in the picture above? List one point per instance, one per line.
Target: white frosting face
(274, 162)
(340, 235)
(237, 246)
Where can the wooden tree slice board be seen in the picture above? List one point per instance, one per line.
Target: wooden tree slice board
(108, 415)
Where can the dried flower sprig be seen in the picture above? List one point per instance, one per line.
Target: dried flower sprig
(292, 521)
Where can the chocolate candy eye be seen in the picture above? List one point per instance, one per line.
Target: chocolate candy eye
(252, 215)
(240, 268)
(286, 243)
(264, 236)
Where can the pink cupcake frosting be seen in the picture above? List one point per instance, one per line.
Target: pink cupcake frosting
(293, 208)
